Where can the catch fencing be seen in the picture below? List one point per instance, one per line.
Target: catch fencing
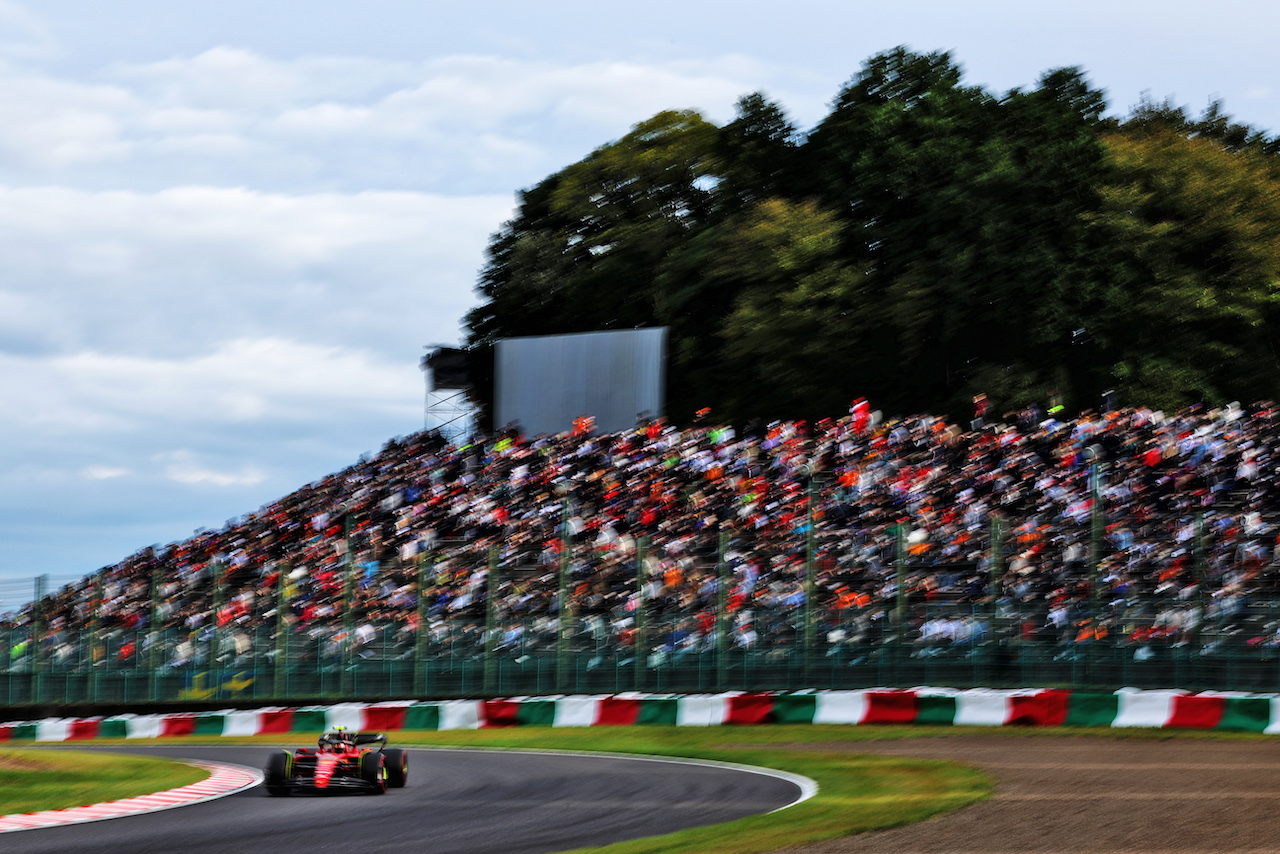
(955, 644)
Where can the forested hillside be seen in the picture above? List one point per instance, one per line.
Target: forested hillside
(925, 242)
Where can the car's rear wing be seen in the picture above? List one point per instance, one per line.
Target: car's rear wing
(371, 738)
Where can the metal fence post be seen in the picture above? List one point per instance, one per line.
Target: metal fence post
(640, 644)
(722, 616)
(491, 624)
(153, 654)
(420, 641)
(97, 647)
(1096, 526)
(900, 600)
(995, 570)
(562, 594)
(215, 631)
(37, 637)
(810, 543)
(281, 685)
(1202, 577)
(348, 606)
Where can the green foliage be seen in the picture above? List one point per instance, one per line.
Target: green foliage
(756, 155)
(925, 242)
(802, 312)
(586, 243)
(969, 211)
(1192, 232)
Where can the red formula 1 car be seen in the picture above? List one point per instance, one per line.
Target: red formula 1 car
(343, 761)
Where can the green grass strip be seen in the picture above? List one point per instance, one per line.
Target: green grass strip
(33, 779)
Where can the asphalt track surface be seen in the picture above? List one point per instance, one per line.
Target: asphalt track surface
(463, 801)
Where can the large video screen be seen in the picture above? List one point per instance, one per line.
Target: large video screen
(544, 382)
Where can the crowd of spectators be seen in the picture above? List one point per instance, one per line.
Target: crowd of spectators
(1128, 524)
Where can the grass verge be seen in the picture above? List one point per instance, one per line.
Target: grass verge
(856, 793)
(32, 780)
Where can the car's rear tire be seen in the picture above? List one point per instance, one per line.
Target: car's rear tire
(374, 772)
(397, 764)
(278, 773)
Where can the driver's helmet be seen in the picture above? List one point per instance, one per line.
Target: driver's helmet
(337, 738)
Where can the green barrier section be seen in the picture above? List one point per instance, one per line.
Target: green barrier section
(938, 711)
(422, 716)
(113, 728)
(1085, 709)
(536, 713)
(794, 708)
(23, 732)
(661, 712)
(309, 720)
(209, 725)
(1245, 714)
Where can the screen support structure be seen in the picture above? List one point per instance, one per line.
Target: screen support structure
(448, 410)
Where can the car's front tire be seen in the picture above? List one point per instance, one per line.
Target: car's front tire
(278, 773)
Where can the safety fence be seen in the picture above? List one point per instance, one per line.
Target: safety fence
(1147, 644)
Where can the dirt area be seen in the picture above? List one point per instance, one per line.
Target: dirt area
(9, 762)
(1084, 794)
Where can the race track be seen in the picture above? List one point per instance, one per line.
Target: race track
(456, 801)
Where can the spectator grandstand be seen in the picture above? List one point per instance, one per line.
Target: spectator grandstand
(1135, 530)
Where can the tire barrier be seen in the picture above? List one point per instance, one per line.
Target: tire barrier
(922, 706)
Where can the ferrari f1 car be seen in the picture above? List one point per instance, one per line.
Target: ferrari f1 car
(342, 761)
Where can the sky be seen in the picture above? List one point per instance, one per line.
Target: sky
(227, 231)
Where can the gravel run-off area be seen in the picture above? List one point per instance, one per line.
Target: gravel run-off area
(1088, 794)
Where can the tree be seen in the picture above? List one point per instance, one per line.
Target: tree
(925, 242)
(584, 249)
(1192, 230)
(966, 210)
(756, 155)
(796, 338)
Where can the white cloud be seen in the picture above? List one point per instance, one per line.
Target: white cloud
(226, 78)
(22, 34)
(269, 381)
(186, 269)
(229, 117)
(52, 124)
(181, 467)
(104, 472)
